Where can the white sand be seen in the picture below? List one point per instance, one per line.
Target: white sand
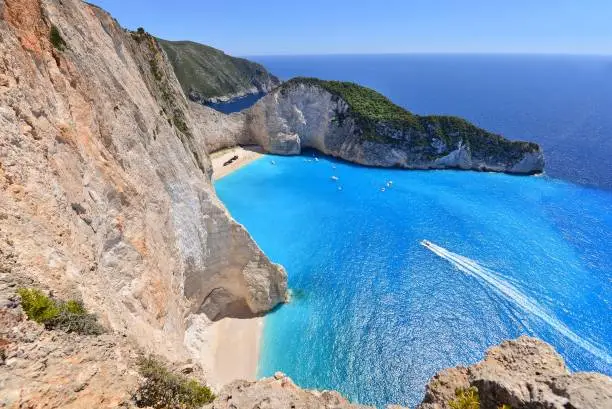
(246, 154)
(234, 343)
(236, 353)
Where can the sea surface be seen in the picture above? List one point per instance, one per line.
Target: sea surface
(562, 102)
(236, 104)
(375, 313)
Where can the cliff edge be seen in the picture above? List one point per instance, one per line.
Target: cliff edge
(360, 125)
(106, 184)
(521, 373)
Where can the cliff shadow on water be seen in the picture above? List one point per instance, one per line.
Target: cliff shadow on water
(236, 104)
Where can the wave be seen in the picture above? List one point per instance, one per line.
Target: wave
(504, 288)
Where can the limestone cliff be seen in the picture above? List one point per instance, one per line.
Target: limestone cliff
(522, 373)
(106, 190)
(220, 130)
(362, 126)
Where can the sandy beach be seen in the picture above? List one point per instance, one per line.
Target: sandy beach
(246, 154)
(235, 349)
(234, 343)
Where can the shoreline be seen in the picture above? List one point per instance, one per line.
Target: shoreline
(234, 342)
(235, 350)
(246, 155)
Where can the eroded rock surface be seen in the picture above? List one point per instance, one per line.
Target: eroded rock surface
(522, 373)
(52, 369)
(220, 130)
(277, 392)
(105, 182)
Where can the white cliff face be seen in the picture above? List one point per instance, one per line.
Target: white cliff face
(308, 116)
(106, 190)
(286, 122)
(219, 130)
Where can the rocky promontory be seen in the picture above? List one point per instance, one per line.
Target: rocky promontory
(521, 373)
(360, 125)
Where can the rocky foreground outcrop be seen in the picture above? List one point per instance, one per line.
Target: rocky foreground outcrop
(362, 126)
(278, 392)
(105, 183)
(522, 373)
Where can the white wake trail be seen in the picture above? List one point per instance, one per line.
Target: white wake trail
(511, 293)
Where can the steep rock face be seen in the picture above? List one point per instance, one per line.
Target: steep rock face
(207, 74)
(218, 129)
(362, 126)
(105, 182)
(522, 373)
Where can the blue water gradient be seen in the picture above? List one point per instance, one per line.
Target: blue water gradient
(561, 102)
(374, 314)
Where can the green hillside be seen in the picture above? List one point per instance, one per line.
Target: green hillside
(205, 72)
(370, 108)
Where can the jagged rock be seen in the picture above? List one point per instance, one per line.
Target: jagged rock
(105, 183)
(52, 369)
(522, 373)
(277, 392)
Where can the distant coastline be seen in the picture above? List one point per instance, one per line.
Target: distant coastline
(559, 101)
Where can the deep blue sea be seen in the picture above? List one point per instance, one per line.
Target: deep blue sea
(237, 104)
(562, 102)
(374, 313)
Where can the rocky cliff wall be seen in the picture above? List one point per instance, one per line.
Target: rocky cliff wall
(304, 113)
(220, 130)
(521, 373)
(106, 191)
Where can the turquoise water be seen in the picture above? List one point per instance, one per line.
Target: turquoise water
(375, 314)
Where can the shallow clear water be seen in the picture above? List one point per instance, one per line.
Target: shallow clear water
(562, 102)
(375, 314)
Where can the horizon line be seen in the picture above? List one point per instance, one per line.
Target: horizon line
(501, 53)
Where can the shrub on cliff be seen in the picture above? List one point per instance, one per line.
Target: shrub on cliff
(56, 39)
(69, 316)
(161, 389)
(465, 399)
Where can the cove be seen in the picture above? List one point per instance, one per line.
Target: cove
(374, 314)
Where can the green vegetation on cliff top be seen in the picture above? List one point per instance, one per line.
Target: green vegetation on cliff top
(371, 108)
(205, 72)
(162, 389)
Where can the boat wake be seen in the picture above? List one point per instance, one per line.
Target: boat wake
(505, 289)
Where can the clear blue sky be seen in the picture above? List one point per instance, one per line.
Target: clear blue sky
(251, 27)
